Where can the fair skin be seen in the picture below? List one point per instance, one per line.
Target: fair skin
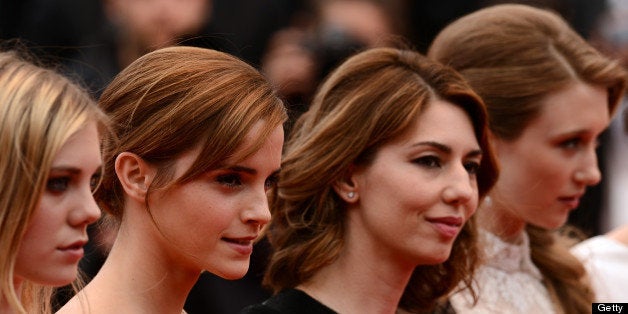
(620, 234)
(408, 206)
(545, 171)
(208, 223)
(57, 231)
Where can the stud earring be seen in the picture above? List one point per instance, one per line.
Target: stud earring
(351, 194)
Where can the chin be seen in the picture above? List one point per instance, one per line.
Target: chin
(58, 278)
(438, 256)
(231, 273)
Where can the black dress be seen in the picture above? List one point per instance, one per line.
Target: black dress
(287, 302)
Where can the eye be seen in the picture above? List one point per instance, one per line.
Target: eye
(232, 180)
(472, 167)
(271, 182)
(94, 181)
(428, 161)
(570, 143)
(58, 185)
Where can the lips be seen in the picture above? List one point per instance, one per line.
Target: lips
(74, 246)
(448, 226)
(242, 245)
(572, 202)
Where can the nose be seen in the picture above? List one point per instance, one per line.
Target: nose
(86, 210)
(257, 212)
(460, 187)
(589, 173)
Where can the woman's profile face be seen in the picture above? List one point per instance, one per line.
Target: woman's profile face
(415, 196)
(211, 222)
(53, 243)
(545, 171)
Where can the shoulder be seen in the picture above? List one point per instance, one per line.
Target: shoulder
(289, 301)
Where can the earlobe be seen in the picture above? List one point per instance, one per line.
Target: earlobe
(135, 175)
(346, 187)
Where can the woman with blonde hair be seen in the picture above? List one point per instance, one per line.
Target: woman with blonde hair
(378, 183)
(549, 95)
(200, 140)
(50, 136)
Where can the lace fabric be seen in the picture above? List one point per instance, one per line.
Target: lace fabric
(508, 281)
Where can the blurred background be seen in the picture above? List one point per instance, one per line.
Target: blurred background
(295, 43)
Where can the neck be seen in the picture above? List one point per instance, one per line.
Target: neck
(499, 219)
(140, 277)
(361, 280)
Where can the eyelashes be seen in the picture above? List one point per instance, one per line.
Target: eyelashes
(434, 162)
(58, 184)
(231, 180)
(235, 180)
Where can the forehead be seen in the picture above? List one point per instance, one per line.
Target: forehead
(578, 106)
(442, 121)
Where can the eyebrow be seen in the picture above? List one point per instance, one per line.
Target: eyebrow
(71, 170)
(250, 171)
(446, 149)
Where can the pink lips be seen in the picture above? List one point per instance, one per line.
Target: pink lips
(448, 227)
(571, 201)
(74, 251)
(243, 245)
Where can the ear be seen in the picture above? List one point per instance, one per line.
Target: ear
(135, 175)
(346, 186)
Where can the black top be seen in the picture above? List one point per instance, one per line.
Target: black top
(287, 302)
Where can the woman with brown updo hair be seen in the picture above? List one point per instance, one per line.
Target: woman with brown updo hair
(378, 184)
(549, 96)
(200, 140)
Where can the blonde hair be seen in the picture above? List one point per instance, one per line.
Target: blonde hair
(39, 111)
(368, 101)
(174, 99)
(513, 56)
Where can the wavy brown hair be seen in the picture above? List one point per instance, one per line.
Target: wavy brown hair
(371, 99)
(513, 56)
(175, 99)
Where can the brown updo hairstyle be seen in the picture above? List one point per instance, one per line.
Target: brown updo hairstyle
(175, 99)
(513, 56)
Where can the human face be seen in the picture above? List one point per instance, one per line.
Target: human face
(53, 243)
(211, 222)
(545, 171)
(419, 190)
(158, 23)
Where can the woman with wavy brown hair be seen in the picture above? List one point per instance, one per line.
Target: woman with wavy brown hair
(549, 95)
(378, 183)
(200, 140)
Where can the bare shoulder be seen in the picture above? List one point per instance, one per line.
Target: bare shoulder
(620, 234)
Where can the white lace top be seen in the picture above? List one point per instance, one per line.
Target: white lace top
(508, 282)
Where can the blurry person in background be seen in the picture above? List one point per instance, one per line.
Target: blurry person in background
(325, 33)
(133, 28)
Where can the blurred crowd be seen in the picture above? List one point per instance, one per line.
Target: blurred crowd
(295, 43)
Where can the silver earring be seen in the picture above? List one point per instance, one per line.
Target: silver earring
(351, 194)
